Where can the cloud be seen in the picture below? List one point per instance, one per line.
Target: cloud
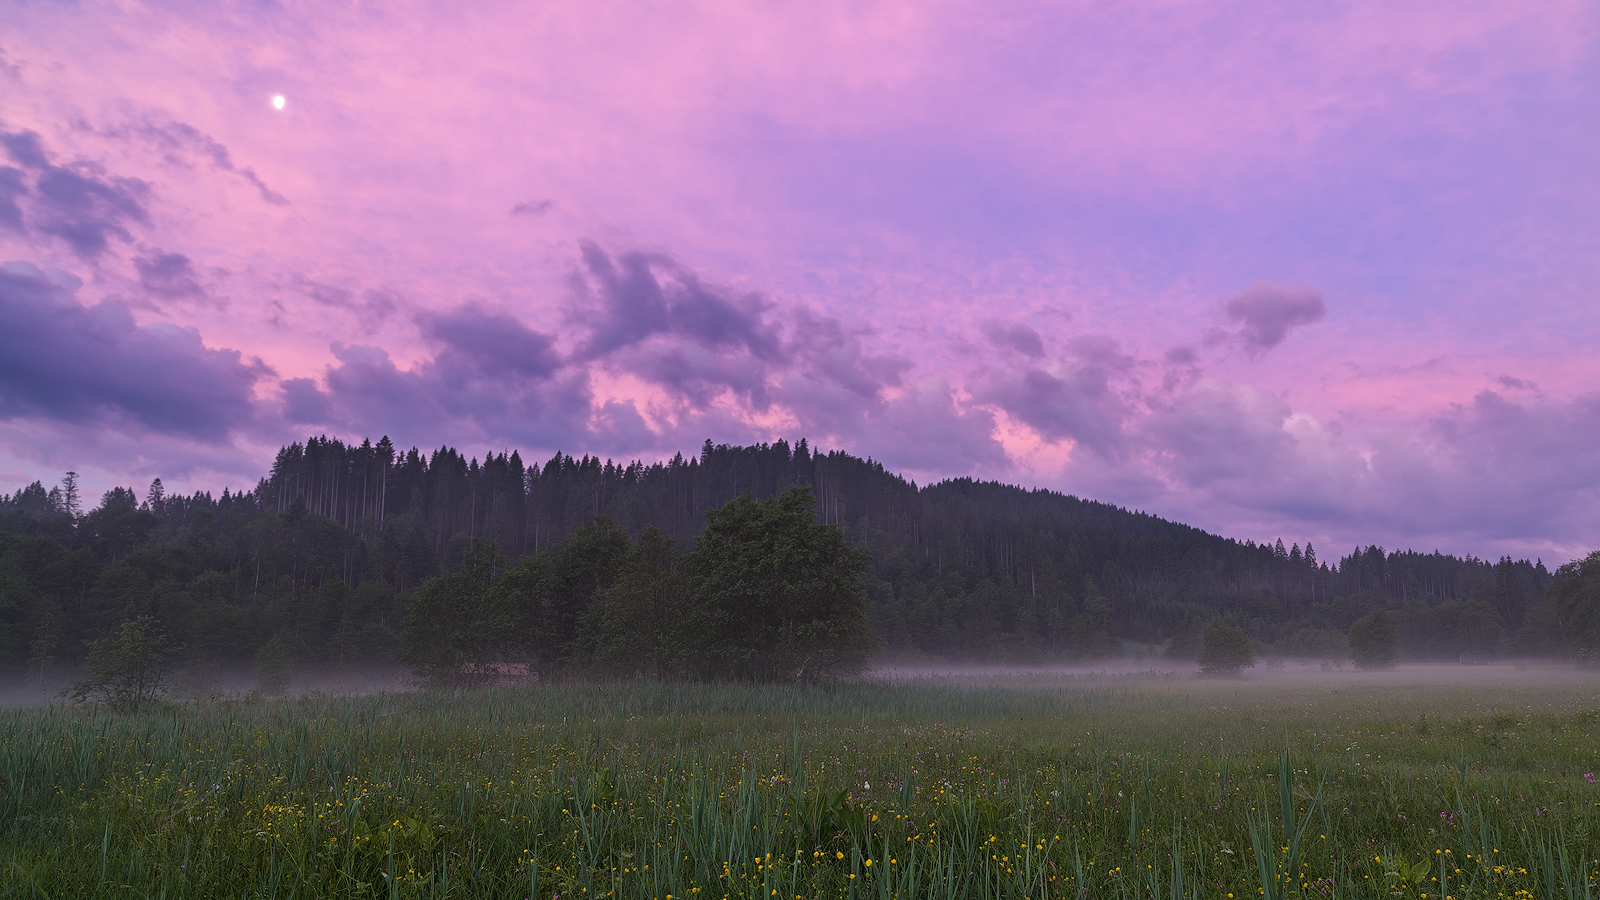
(26, 148)
(1014, 336)
(169, 276)
(371, 306)
(78, 203)
(925, 430)
(492, 344)
(1268, 312)
(713, 359)
(827, 351)
(12, 188)
(305, 403)
(635, 295)
(65, 362)
(1491, 471)
(533, 208)
(1517, 384)
(177, 141)
(1181, 356)
(646, 315)
(1074, 398)
(490, 378)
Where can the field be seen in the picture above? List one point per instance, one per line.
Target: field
(1420, 783)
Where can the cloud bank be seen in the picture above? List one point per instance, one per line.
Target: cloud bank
(1273, 271)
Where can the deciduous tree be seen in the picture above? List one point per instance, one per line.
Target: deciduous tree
(1375, 640)
(774, 594)
(128, 670)
(1225, 650)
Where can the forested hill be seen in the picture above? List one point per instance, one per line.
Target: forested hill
(326, 549)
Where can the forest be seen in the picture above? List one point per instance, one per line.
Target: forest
(324, 556)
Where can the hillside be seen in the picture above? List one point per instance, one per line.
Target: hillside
(325, 550)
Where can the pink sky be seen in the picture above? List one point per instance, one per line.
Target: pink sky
(1324, 274)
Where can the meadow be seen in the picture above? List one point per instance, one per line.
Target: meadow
(1421, 783)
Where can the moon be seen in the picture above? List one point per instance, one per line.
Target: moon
(278, 101)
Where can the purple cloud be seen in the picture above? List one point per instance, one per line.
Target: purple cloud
(637, 295)
(169, 276)
(1268, 312)
(829, 352)
(304, 403)
(78, 203)
(478, 385)
(12, 188)
(178, 141)
(1517, 384)
(65, 362)
(370, 306)
(1014, 336)
(476, 342)
(1074, 399)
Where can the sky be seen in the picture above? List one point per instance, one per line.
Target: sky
(1324, 272)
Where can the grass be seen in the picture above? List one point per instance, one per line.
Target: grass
(1146, 786)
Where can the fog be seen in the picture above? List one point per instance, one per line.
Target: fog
(221, 684)
(1271, 674)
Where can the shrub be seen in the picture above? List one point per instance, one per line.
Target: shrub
(127, 670)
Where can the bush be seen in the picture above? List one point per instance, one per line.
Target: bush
(1225, 650)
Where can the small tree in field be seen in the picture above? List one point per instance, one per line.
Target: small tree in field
(1225, 650)
(127, 670)
(1375, 641)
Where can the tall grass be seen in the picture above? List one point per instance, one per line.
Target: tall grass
(1134, 787)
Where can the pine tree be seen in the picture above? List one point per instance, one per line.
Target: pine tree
(69, 495)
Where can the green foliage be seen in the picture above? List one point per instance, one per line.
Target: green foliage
(635, 626)
(774, 594)
(1185, 642)
(1575, 597)
(458, 626)
(552, 593)
(1225, 650)
(1091, 628)
(1325, 644)
(274, 667)
(1375, 641)
(767, 593)
(127, 670)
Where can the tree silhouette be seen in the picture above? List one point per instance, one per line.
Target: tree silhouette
(1225, 650)
(127, 670)
(1375, 641)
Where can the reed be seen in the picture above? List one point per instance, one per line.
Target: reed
(1034, 788)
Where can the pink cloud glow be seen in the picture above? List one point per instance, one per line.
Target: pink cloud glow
(1326, 273)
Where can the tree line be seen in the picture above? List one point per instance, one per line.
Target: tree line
(326, 554)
